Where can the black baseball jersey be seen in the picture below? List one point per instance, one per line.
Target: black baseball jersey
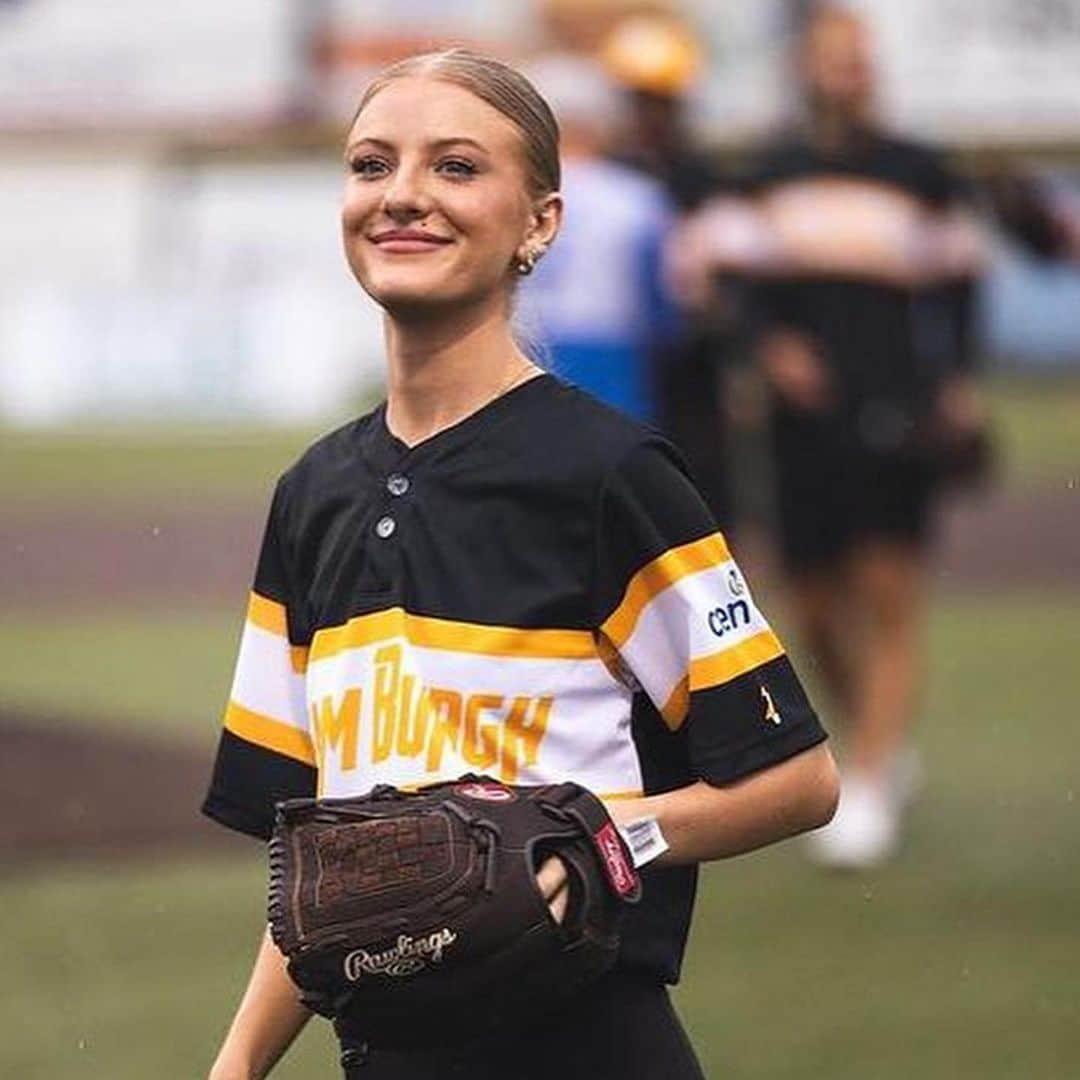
(536, 593)
(850, 219)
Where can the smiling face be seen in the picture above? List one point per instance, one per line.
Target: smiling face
(437, 205)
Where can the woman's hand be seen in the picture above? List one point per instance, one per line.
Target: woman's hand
(555, 886)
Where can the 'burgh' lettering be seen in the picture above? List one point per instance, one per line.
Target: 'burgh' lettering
(397, 716)
(407, 957)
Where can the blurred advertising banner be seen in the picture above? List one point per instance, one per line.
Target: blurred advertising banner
(973, 72)
(118, 63)
(982, 71)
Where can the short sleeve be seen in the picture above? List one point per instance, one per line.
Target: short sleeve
(676, 614)
(265, 753)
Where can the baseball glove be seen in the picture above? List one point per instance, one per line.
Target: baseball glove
(416, 918)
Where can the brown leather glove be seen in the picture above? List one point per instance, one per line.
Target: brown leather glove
(416, 918)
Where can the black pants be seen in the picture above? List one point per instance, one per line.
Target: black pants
(834, 494)
(622, 1028)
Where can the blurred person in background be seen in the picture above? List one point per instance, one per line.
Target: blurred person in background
(864, 315)
(596, 303)
(655, 59)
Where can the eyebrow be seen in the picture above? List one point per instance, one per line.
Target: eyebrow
(435, 144)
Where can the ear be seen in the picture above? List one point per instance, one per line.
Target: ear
(545, 220)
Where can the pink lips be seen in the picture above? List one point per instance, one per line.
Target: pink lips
(408, 241)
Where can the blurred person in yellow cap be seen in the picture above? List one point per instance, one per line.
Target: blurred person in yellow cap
(656, 60)
(865, 342)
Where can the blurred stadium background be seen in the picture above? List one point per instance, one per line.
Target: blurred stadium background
(176, 323)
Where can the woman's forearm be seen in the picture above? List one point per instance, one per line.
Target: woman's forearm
(268, 1019)
(702, 821)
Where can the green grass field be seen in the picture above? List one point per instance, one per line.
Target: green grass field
(959, 960)
(163, 673)
(1037, 426)
(128, 465)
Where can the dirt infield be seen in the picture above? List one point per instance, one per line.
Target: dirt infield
(73, 791)
(1015, 538)
(65, 557)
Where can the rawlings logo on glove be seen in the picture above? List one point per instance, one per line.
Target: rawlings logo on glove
(407, 957)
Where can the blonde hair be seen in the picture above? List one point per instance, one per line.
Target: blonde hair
(500, 86)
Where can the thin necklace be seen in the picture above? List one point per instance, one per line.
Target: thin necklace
(517, 377)
(528, 368)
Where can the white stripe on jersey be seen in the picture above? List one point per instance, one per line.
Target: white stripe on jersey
(699, 615)
(265, 681)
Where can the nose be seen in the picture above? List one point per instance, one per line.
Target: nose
(405, 197)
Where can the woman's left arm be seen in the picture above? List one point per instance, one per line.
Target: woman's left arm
(704, 821)
(677, 623)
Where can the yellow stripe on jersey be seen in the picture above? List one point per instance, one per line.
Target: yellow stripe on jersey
(658, 575)
(722, 667)
(632, 793)
(269, 733)
(432, 633)
(718, 668)
(269, 615)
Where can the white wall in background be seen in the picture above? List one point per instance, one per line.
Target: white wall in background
(982, 70)
(72, 216)
(231, 300)
(113, 62)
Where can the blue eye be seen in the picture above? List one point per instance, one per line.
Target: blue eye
(458, 167)
(368, 167)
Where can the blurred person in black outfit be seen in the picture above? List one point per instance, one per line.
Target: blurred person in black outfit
(655, 60)
(864, 340)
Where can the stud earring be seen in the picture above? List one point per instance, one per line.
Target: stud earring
(525, 264)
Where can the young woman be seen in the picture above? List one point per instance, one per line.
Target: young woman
(492, 572)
